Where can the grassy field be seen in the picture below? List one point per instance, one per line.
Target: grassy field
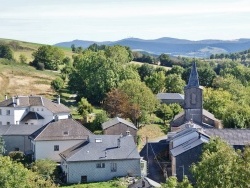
(18, 79)
(139, 63)
(109, 184)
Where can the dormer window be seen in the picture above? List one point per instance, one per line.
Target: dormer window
(98, 140)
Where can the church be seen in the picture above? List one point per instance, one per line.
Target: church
(193, 106)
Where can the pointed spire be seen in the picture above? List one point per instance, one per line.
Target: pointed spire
(193, 78)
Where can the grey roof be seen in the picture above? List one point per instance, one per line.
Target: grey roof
(18, 129)
(31, 115)
(27, 101)
(188, 145)
(115, 121)
(234, 137)
(208, 114)
(193, 78)
(91, 150)
(170, 96)
(148, 183)
(64, 129)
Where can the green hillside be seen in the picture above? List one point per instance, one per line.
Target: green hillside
(27, 48)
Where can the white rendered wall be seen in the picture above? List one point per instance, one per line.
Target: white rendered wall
(45, 149)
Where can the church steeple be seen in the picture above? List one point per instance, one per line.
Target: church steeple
(193, 78)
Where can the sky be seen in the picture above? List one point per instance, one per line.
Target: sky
(53, 21)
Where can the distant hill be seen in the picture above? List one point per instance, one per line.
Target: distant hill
(173, 46)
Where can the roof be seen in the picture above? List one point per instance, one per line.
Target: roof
(170, 96)
(208, 114)
(188, 145)
(64, 129)
(234, 137)
(18, 129)
(193, 78)
(115, 121)
(102, 147)
(31, 115)
(28, 101)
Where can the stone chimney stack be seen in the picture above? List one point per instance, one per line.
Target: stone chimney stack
(58, 99)
(118, 142)
(17, 101)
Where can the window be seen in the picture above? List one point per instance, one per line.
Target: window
(37, 109)
(41, 109)
(0, 123)
(113, 167)
(100, 165)
(16, 149)
(65, 133)
(83, 179)
(8, 123)
(56, 147)
(7, 112)
(0, 111)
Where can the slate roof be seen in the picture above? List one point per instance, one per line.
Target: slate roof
(27, 101)
(64, 129)
(188, 145)
(31, 115)
(115, 121)
(144, 182)
(91, 150)
(234, 137)
(170, 96)
(193, 78)
(18, 129)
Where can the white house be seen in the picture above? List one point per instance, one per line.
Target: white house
(57, 136)
(31, 110)
(101, 158)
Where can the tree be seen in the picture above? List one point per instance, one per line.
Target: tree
(118, 54)
(23, 59)
(216, 101)
(100, 118)
(57, 84)
(165, 60)
(5, 52)
(94, 75)
(174, 84)
(145, 70)
(176, 108)
(176, 70)
(222, 166)
(172, 182)
(44, 167)
(50, 56)
(140, 97)
(2, 146)
(156, 82)
(164, 112)
(116, 103)
(14, 174)
(84, 107)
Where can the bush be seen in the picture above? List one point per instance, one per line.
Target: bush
(57, 84)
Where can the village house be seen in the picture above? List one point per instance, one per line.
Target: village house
(101, 158)
(31, 110)
(57, 136)
(170, 98)
(119, 126)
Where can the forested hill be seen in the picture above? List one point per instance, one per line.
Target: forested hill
(172, 46)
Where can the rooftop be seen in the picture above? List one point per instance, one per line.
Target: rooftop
(115, 121)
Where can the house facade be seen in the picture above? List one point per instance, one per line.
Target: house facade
(101, 158)
(57, 136)
(119, 126)
(31, 110)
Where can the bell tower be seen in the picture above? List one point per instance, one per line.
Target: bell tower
(193, 98)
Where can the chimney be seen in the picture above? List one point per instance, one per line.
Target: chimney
(17, 101)
(58, 99)
(6, 97)
(118, 142)
(127, 132)
(56, 118)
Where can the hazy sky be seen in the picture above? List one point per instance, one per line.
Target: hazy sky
(52, 21)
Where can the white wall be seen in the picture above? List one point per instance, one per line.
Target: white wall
(19, 113)
(45, 149)
(7, 118)
(125, 167)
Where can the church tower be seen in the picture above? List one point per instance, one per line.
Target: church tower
(193, 98)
